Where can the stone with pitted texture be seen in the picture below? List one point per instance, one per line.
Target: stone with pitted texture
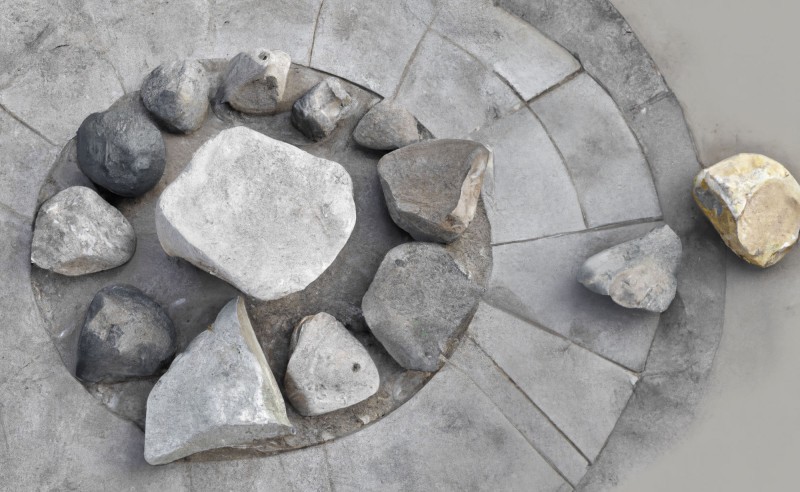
(121, 149)
(418, 302)
(254, 82)
(640, 273)
(176, 93)
(387, 126)
(259, 213)
(317, 113)
(77, 232)
(754, 203)
(219, 392)
(432, 188)
(329, 368)
(125, 335)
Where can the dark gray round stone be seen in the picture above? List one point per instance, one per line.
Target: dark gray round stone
(120, 149)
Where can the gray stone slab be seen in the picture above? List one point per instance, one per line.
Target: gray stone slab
(136, 38)
(442, 75)
(367, 42)
(519, 410)
(609, 170)
(529, 61)
(450, 436)
(582, 394)
(529, 193)
(602, 39)
(27, 159)
(300, 471)
(537, 280)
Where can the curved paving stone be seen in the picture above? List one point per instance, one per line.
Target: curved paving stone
(520, 54)
(442, 75)
(391, 30)
(582, 394)
(529, 193)
(609, 170)
(536, 280)
(450, 436)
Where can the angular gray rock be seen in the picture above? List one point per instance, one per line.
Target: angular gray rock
(254, 82)
(121, 149)
(637, 274)
(432, 188)
(261, 214)
(219, 392)
(77, 232)
(329, 369)
(418, 302)
(176, 93)
(125, 335)
(387, 126)
(320, 109)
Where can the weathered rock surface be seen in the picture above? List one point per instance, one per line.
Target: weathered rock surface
(255, 82)
(125, 335)
(77, 232)
(754, 203)
(320, 109)
(219, 392)
(638, 274)
(121, 149)
(329, 368)
(432, 188)
(418, 302)
(261, 214)
(176, 93)
(127, 399)
(387, 126)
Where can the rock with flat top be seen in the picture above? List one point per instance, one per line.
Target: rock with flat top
(638, 274)
(317, 113)
(754, 203)
(176, 93)
(432, 188)
(329, 369)
(387, 126)
(219, 392)
(254, 82)
(77, 233)
(259, 213)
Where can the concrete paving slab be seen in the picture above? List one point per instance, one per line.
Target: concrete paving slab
(529, 193)
(442, 75)
(450, 436)
(537, 281)
(582, 394)
(537, 428)
(606, 164)
(529, 61)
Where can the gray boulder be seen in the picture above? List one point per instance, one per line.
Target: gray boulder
(638, 274)
(417, 303)
(261, 214)
(432, 188)
(329, 369)
(219, 392)
(255, 82)
(320, 109)
(176, 93)
(125, 335)
(121, 149)
(77, 232)
(387, 126)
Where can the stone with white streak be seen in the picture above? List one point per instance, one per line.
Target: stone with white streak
(220, 392)
(261, 214)
(255, 82)
(77, 232)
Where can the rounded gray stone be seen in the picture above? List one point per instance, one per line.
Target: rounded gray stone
(317, 113)
(418, 302)
(77, 233)
(176, 93)
(387, 126)
(125, 335)
(255, 82)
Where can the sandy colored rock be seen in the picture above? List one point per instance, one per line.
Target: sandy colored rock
(254, 82)
(754, 203)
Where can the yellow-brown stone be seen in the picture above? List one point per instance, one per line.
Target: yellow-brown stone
(754, 203)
